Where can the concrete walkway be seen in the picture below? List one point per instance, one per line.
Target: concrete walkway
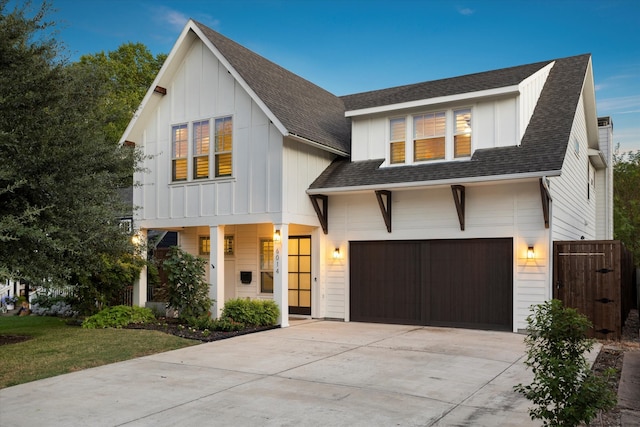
(314, 373)
(629, 389)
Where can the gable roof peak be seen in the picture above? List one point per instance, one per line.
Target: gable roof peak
(306, 111)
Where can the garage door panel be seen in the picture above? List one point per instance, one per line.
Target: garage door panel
(388, 280)
(465, 283)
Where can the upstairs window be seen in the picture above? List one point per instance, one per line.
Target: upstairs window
(397, 132)
(462, 133)
(429, 136)
(192, 145)
(179, 147)
(201, 149)
(223, 146)
(437, 135)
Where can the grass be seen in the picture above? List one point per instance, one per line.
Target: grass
(57, 348)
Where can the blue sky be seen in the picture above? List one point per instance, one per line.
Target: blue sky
(350, 46)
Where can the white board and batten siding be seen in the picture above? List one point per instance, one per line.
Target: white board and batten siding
(509, 210)
(203, 89)
(604, 185)
(496, 122)
(574, 200)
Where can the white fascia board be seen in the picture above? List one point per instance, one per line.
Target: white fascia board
(239, 79)
(157, 80)
(436, 183)
(597, 159)
(468, 96)
(317, 145)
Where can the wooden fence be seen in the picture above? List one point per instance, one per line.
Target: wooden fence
(596, 277)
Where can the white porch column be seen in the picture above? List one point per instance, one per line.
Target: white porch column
(140, 284)
(216, 269)
(281, 272)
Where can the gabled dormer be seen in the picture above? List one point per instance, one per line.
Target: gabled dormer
(445, 120)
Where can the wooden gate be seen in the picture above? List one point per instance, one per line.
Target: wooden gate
(595, 277)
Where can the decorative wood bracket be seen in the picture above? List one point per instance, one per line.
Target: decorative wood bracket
(323, 213)
(546, 198)
(458, 198)
(385, 206)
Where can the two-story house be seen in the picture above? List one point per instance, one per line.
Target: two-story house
(433, 204)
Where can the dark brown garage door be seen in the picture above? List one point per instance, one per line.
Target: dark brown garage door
(461, 283)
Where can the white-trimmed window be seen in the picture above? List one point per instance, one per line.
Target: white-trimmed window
(266, 266)
(179, 147)
(223, 146)
(429, 136)
(204, 245)
(397, 137)
(462, 133)
(436, 135)
(201, 149)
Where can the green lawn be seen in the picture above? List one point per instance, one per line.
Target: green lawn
(57, 348)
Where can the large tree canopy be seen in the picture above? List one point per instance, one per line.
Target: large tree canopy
(626, 201)
(127, 73)
(61, 169)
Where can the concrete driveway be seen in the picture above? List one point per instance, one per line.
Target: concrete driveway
(314, 373)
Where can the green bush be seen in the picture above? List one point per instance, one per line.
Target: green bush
(118, 317)
(187, 291)
(223, 324)
(565, 390)
(251, 312)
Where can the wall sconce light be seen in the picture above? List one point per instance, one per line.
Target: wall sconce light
(530, 253)
(135, 239)
(336, 254)
(276, 236)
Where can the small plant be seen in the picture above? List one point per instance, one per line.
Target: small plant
(251, 312)
(564, 389)
(45, 305)
(118, 317)
(187, 291)
(9, 299)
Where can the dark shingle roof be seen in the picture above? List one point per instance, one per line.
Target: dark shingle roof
(305, 110)
(542, 148)
(445, 87)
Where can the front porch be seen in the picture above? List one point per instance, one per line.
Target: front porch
(264, 261)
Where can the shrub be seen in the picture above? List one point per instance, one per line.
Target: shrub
(187, 291)
(118, 317)
(565, 390)
(45, 305)
(251, 312)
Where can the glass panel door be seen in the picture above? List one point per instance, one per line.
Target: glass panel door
(300, 275)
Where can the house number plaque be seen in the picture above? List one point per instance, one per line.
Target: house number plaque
(277, 259)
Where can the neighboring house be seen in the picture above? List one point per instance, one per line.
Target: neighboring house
(433, 204)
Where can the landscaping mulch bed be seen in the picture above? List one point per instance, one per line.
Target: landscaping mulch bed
(174, 327)
(611, 356)
(13, 339)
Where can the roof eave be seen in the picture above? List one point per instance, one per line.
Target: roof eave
(501, 91)
(434, 183)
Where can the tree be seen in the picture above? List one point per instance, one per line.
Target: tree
(127, 74)
(564, 389)
(60, 174)
(626, 201)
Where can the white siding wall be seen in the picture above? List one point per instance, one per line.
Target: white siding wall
(573, 208)
(494, 124)
(302, 165)
(203, 89)
(530, 89)
(506, 210)
(604, 186)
